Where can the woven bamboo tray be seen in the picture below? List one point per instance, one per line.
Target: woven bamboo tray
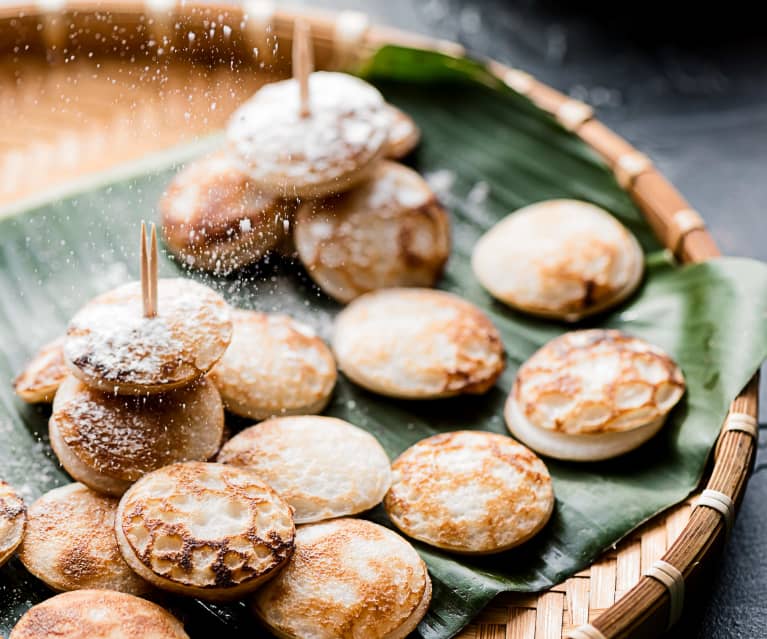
(85, 86)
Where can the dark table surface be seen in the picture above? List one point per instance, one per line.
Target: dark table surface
(692, 94)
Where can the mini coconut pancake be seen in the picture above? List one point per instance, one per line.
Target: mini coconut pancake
(561, 259)
(347, 578)
(470, 492)
(13, 520)
(40, 379)
(111, 345)
(108, 441)
(274, 366)
(211, 531)
(322, 466)
(213, 218)
(404, 134)
(97, 614)
(417, 343)
(327, 151)
(388, 231)
(70, 543)
(592, 395)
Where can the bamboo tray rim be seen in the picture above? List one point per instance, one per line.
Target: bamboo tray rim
(646, 607)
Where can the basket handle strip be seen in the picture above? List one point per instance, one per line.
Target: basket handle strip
(586, 631)
(742, 422)
(673, 580)
(721, 503)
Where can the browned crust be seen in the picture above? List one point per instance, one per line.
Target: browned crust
(214, 217)
(335, 262)
(428, 519)
(124, 437)
(552, 359)
(70, 543)
(236, 570)
(381, 608)
(97, 614)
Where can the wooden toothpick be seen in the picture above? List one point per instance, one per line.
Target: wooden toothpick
(303, 62)
(149, 272)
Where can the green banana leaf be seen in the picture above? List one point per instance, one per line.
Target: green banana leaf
(489, 151)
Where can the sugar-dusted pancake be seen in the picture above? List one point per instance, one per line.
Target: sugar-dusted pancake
(13, 520)
(470, 492)
(328, 151)
(70, 543)
(592, 394)
(111, 345)
(347, 578)
(275, 365)
(417, 343)
(212, 531)
(215, 219)
(322, 466)
(388, 231)
(97, 614)
(40, 379)
(108, 441)
(562, 259)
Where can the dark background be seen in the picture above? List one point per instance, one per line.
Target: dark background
(689, 91)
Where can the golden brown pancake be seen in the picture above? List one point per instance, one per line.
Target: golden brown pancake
(108, 441)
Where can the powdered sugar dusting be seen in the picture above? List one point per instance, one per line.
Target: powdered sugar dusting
(110, 339)
(347, 127)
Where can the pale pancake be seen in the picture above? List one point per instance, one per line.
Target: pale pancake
(329, 151)
(388, 231)
(108, 441)
(40, 379)
(470, 492)
(275, 365)
(212, 531)
(215, 219)
(417, 343)
(97, 614)
(322, 466)
(13, 520)
(347, 578)
(562, 259)
(111, 345)
(70, 543)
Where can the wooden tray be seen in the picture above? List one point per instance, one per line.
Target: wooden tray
(85, 86)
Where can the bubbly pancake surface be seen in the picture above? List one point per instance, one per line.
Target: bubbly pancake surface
(404, 134)
(275, 365)
(347, 578)
(70, 542)
(97, 614)
(208, 530)
(121, 438)
(322, 466)
(326, 152)
(470, 492)
(112, 346)
(40, 379)
(597, 381)
(559, 258)
(417, 343)
(388, 231)
(13, 519)
(215, 218)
